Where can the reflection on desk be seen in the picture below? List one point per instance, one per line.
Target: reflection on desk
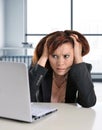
(68, 117)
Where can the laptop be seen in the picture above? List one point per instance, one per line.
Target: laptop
(15, 94)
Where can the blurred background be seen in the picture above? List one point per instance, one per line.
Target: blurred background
(24, 22)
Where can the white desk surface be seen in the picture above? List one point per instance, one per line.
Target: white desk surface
(68, 117)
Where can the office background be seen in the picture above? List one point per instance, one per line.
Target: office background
(30, 20)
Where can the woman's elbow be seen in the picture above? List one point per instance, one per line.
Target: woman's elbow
(90, 102)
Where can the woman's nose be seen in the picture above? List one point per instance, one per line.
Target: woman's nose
(60, 61)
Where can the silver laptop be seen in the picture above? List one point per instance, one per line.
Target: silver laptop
(15, 94)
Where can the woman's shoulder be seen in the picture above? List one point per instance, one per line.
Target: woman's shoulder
(82, 65)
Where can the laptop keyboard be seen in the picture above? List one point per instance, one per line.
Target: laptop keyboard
(41, 109)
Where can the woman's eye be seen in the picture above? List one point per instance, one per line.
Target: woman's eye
(54, 56)
(66, 56)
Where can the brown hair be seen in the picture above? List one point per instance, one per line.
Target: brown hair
(82, 39)
(56, 39)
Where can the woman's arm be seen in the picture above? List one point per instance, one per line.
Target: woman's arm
(36, 74)
(80, 75)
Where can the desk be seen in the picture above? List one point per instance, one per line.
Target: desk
(68, 117)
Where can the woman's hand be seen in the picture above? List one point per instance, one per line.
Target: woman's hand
(43, 59)
(45, 50)
(77, 49)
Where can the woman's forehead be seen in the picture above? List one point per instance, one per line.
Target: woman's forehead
(65, 48)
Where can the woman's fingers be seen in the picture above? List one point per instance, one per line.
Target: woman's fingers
(77, 49)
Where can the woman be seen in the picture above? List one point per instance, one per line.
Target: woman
(58, 73)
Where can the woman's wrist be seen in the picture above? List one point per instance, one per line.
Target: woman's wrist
(78, 60)
(42, 61)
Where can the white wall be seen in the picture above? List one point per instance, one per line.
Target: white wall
(1, 23)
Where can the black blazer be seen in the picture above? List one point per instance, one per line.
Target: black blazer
(79, 87)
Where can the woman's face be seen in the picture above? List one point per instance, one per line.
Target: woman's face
(62, 59)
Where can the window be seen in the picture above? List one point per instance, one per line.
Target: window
(45, 16)
(86, 19)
